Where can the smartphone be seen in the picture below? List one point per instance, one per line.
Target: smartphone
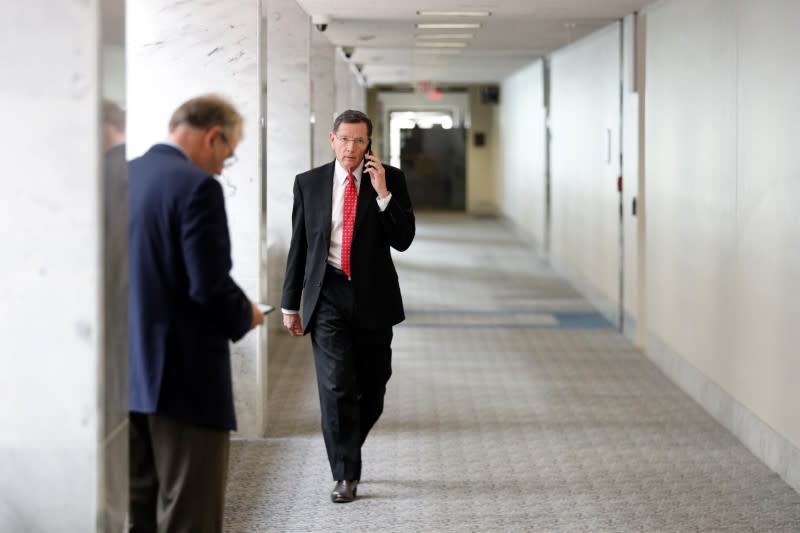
(266, 308)
(368, 152)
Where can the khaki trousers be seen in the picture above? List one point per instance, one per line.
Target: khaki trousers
(178, 473)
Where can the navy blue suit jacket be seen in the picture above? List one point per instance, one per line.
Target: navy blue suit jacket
(183, 305)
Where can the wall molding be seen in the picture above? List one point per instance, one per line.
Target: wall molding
(764, 442)
(772, 448)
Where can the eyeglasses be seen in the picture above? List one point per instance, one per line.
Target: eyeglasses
(359, 141)
(231, 159)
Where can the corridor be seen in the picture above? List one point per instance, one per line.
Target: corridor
(513, 406)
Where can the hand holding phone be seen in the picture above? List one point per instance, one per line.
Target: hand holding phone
(377, 174)
(258, 311)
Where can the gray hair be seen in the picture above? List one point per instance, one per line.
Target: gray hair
(351, 116)
(207, 111)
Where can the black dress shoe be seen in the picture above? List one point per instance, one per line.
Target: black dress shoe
(344, 491)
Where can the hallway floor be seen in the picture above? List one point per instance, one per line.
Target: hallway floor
(513, 407)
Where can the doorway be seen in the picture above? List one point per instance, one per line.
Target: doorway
(431, 152)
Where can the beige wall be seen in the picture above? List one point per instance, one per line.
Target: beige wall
(585, 118)
(632, 225)
(587, 135)
(723, 183)
(711, 261)
(522, 141)
(484, 173)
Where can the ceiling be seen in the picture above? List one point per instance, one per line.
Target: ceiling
(385, 39)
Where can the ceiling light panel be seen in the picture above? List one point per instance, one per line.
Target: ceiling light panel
(423, 44)
(443, 36)
(448, 25)
(442, 51)
(454, 13)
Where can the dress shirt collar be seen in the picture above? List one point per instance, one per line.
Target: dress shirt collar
(340, 173)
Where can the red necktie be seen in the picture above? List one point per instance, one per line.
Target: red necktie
(349, 219)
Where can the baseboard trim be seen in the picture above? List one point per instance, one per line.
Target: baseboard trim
(769, 446)
(609, 309)
(773, 449)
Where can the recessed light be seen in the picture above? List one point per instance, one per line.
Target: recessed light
(442, 51)
(448, 25)
(440, 45)
(443, 35)
(454, 13)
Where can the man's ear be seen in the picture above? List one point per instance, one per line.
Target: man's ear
(211, 133)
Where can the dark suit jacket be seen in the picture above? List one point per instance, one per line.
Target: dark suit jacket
(377, 300)
(183, 305)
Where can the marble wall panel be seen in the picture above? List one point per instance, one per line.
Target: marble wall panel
(323, 96)
(180, 49)
(50, 275)
(288, 126)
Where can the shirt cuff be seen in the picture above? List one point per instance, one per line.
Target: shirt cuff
(383, 202)
(288, 311)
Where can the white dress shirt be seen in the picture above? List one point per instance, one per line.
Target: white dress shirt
(337, 213)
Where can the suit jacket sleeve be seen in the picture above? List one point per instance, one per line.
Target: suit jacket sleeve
(296, 260)
(398, 217)
(207, 253)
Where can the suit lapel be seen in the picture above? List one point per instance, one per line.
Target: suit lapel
(326, 175)
(366, 197)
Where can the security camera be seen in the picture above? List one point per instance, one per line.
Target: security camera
(347, 51)
(320, 22)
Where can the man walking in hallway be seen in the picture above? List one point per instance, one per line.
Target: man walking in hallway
(184, 308)
(339, 261)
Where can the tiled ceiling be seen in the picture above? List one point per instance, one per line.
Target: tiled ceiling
(387, 45)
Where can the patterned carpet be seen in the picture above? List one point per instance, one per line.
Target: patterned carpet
(513, 407)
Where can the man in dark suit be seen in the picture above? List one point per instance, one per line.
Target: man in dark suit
(184, 308)
(346, 216)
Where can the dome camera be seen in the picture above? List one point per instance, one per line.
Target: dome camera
(347, 51)
(320, 22)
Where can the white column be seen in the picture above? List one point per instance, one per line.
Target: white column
(179, 49)
(323, 95)
(358, 93)
(288, 126)
(63, 436)
(350, 91)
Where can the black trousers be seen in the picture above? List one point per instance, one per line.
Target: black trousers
(353, 366)
(178, 473)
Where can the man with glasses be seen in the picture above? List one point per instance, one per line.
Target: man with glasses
(346, 217)
(184, 308)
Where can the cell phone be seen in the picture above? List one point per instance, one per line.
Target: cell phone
(266, 308)
(368, 152)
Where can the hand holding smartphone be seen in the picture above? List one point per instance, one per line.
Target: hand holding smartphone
(259, 311)
(265, 308)
(377, 174)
